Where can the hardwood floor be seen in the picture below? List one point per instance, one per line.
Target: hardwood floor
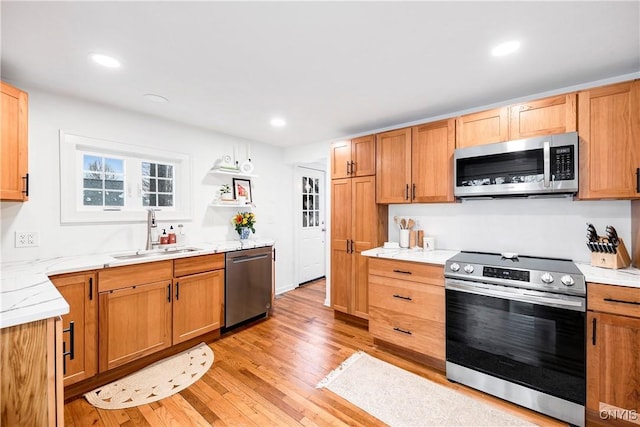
(266, 374)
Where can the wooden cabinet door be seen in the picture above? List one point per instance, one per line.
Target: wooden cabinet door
(340, 244)
(481, 128)
(432, 147)
(79, 290)
(197, 305)
(364, 231)
(547, 116)
(134, 322)
(609, 129)
(393, 166)
(363, 154)
(14, 144)
(613, 365)
(340, 159)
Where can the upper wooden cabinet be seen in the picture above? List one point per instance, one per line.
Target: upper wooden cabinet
(485, 127)
(353, 158)
(80, 337)
(415, 165)
(609, 130)
(432, 147)
(14, 180)
(547, 116)
(393, 163)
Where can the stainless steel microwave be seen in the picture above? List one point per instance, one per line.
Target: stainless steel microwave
(546, 165)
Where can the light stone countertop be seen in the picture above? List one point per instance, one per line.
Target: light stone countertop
(629, 277)
(27, 294)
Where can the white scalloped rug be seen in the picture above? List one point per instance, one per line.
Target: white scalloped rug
(157, 381)
(401, 398)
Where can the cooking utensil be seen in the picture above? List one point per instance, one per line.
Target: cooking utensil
(397, 221)
(612, 235)
(592, 234)
(403, 224)
(410, 224)
(589, 246)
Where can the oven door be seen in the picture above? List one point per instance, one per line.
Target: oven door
(530, 338)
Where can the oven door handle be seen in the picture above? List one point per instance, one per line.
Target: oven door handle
(521, 295)
(546, 167)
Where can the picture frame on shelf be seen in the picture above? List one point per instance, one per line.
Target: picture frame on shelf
(242, 188)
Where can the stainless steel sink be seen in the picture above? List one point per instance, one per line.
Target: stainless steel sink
(155, 253)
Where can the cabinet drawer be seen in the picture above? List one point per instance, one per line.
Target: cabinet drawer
(413, 271)
(613, 299)
(131, 275)
(423, 336)
(197, 264)
(415, 299)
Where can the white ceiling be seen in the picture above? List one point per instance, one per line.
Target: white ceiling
(331, 69)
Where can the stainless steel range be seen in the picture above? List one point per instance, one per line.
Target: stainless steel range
(515, 328)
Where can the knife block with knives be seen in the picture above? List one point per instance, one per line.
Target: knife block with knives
(607, 251)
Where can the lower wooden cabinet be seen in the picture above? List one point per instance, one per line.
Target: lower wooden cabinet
(613, 349)
(80, 338)
(134, 322)
(407, 305)
(30, 364)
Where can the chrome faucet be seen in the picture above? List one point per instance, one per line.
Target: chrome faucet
(151, 223)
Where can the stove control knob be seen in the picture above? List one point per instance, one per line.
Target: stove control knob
(546, 278)
(567, 280)
(468, 268)
(455, 266)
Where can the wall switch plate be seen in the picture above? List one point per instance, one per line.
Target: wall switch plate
(27, 239)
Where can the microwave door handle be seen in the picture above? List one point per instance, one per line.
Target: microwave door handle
(546, 153)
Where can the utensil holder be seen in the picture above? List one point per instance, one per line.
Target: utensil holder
(404, 238)
(620, 259)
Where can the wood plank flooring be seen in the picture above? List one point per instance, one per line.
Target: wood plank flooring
(266, 374)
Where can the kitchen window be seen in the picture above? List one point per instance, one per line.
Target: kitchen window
(105, 181)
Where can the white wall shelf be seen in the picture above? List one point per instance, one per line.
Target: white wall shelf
(230, 205)
(232, 173)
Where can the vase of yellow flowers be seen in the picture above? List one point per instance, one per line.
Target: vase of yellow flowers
(243, 223)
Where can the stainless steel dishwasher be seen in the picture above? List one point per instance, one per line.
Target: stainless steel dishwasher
(247, 285)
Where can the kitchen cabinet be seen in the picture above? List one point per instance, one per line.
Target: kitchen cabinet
(30, 365)
(484, 127)
(134, 312)
(407, 306)
(198, 296)
(609, 130)
(548, 116)
(14, 179)
(80, 339)
(356, 224)
(432, 147)
(356, 157)
(393, 166)
(613, 345)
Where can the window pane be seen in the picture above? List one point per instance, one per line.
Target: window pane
(91, 181)
(165, 200)
(311, 220)
(165, 185)
(152, 185)
(152, 171)
(113, 165)
(114, 184)
(91, 163)
(149, 200)
(92, 198)
(317, 202)
(316, 186)
(113, 198)
(310, 204)
(304, 219)
(162, 171)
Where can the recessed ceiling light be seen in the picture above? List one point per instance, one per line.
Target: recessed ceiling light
(277, 122)
(506, 48)
(104, 60)
(155, 98)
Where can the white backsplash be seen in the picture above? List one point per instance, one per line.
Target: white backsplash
(540, 227)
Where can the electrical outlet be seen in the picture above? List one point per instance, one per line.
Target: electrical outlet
(27, 239)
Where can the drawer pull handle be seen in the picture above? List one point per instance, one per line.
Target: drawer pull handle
(402, 297)
(402, 272)
(72, 345)
(404, 331)
(622, 301)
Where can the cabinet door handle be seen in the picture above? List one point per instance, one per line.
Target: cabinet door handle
(406, 192)
(402, 272)
(593, 332)
(413, 192)
(404, 331)
(274, 254)
(348, 167)
(353, 167)
(177, 291)
(622, 301)
(90, 288)
(352, 246)
(72, 347)
(26, 185)
(402, 297)
(637, 180)
(169, 292)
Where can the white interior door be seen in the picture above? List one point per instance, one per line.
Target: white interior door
(311, 199)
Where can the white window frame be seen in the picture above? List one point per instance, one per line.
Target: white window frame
(72, 147)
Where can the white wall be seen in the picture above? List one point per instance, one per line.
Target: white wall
(541, 227)
(49, 113)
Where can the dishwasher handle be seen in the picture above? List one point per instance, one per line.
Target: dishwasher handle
(240, 259)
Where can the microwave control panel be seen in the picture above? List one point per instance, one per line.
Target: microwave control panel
(562, 163)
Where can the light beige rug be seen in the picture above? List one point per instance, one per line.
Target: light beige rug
(401, 398)
(157, 381)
